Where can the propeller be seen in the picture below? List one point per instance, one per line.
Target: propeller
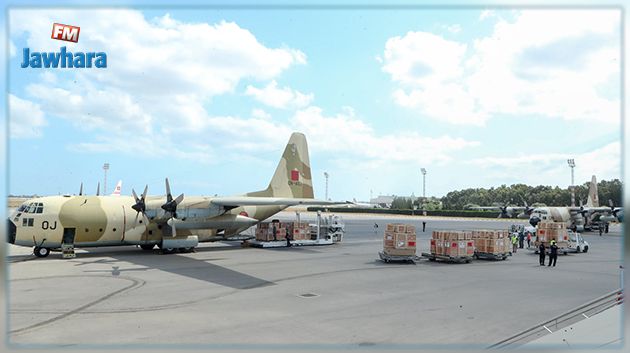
(613, 210)
(171, 207)
(140, 205)
(504, 212)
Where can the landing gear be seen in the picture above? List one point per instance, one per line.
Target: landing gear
(147, 247)
(167, 251)
(41, 252)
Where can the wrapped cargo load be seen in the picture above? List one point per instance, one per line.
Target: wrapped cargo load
(295, 231)
(494, 242)
(452, 243)
(548, 231)
(399, 240)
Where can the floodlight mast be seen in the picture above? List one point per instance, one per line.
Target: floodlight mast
(326, 176)
(571, 163)
(105, 169)
(424, 182)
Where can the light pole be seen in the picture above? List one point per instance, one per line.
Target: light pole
(572, 165)
(424, 182)
(105, 169)
(326, 176)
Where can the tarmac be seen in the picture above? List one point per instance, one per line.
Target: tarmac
(336, 296)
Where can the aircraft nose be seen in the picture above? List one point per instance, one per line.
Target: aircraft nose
(11, 230)
(534, 221)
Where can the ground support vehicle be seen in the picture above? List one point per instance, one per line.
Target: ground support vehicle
(398, 258)
(490, 256)
(446, 258)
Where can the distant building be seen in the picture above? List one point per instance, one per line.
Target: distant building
(382, 200)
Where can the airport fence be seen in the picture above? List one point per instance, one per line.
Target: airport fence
(444, 213)
(559, 322)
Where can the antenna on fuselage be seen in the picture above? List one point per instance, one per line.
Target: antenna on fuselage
(81, 189)
(98, 189)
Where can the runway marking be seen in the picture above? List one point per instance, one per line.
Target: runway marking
(135, 283)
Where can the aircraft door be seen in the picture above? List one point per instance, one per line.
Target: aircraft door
(68, 236)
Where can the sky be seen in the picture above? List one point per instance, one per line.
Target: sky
(208, 98)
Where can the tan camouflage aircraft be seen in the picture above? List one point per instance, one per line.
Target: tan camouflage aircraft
(170, 223)
(577, 218)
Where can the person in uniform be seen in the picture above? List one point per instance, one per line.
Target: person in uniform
(514, 241)
(553, 253)
(541, 252)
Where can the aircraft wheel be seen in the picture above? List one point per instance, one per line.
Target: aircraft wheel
(166, 251)
(41, 252)
(577, 249)
(585, 249)
(147, 246)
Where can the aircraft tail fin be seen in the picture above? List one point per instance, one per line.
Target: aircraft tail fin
(117, 189)
(593, 199)
(293, 174)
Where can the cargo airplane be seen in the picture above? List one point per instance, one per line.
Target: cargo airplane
(170, 223)
(576, 218)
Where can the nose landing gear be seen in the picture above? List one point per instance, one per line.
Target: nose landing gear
(41, 252)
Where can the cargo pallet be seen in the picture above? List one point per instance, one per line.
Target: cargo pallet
(398, 258)
(283, 243)
(446, 258)
(490, 256)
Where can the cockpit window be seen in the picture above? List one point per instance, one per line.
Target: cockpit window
(22, 208)
(33, 207)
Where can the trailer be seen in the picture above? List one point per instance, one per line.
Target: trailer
(447, 258)
(398, 258)
(490, 256)
(326, 231)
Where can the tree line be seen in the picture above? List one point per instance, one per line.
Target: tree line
(515, 195)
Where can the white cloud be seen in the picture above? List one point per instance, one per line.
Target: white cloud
(281, 98)
(423, 58)
(161, 74)
(26, 118)
(456, 28)
(346, 134)
(549, 168)
(551, 63)
(163, 55)
(486, 14)
(261, 114)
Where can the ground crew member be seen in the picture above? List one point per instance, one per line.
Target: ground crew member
(514, 241)
(288, 241)
(273, 231)
(529, 240)
(424, 225)
(521, 239)
(541, 252)
(600, 230)
(553, 253)
(606, 228)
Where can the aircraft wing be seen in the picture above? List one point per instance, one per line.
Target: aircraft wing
(498, 208)
(600, 209)
(491, 208)
(237, 201)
